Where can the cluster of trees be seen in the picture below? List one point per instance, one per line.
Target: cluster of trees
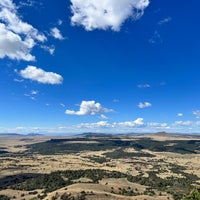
(4, 197)
(55, 180)
(178, 187)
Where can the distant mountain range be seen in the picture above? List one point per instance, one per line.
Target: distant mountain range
(17, 134)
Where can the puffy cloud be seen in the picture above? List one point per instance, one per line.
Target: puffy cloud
(55, 32)
(137, 122)
(17, 38)
(180, 115)
(116, 125)
(105, 14)
(96, 125)
(41, 76)
(88, 108)
(144, 105)
(196, 113)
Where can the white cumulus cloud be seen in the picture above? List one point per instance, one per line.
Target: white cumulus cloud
(144, 105)
(96, 125)
(41, 76)
(105, 14)
(137, 122)
(17, 38)
(55, 32)
(89, 108)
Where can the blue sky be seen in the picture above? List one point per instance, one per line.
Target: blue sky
(102, 66)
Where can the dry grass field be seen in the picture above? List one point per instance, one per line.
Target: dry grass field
(144, 165)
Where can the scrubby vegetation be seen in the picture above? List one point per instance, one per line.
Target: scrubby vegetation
(142, 167)
(59, 179)
(62, 146)
(120, 153)
(4, 197)
(178, 187)
(3, 151)
(194, 195)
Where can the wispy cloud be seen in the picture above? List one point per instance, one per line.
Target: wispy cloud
(89, 108)
(143, 86)
(102, 116)
(158, 125)
(105, 14)
(32, 94)
(156, 38)
(116, 100)
(165, 20)
(144, 105)
(183, 123)
(62, 104)
(196, 113)
(55, 32)
(41, 76)
(18, 80)
(50, 49)
(28, 3)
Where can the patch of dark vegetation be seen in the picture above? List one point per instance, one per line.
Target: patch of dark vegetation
(99, 159)
(4, 197)
(59, 179)
(180, 146)
(120, 153)
(62, 146)
(175, 186)
(178, 187)
(3, 151)
(15, 179)
(194, 195)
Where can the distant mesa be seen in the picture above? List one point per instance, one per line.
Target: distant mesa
(162, 134)
(10, 134)
(91, 134)
(17, 134)
(34, 134)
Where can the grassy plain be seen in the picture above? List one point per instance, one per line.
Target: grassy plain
(155, 166)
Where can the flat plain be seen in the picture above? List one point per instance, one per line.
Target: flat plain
(90, 166)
